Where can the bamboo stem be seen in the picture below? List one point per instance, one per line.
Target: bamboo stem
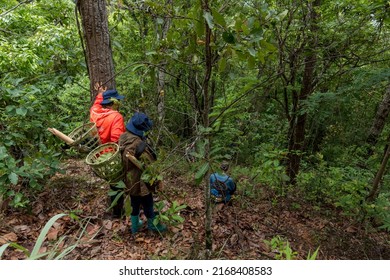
(61, 135)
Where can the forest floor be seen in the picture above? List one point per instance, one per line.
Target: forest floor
(239, 230)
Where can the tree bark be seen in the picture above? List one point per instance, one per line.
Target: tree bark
(298, 121)
(206, 123)
(379, 121)
(378, 177)
(161, 74)
(98, 50)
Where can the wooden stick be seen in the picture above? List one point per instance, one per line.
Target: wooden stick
(135, 161)
(61, 135)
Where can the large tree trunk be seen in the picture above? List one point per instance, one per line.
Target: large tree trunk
(161, 35)
(206, 123)
(97, 43)
(298, 121)
(161, 74)
(379, 121)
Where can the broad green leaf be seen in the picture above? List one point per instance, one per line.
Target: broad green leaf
(21, 111)
(209, 19)
(164, 217)
(13, 177)
(222, 64)
(261, 56)
(201, 173)
(251, 62)
(228, 37)
(112, 192)
(120, 185)
(119, 195)
(178, 218)
(252, 51)
(283, 14)
(181, 207)
(268, 46)
(199, 28)
(218, 18)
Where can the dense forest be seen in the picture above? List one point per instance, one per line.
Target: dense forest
(294, 94)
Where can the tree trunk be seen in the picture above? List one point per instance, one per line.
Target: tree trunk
(378, 177)
(379, 121)
(206, 123)
(161, 74)
(298, 122)
(97, 43)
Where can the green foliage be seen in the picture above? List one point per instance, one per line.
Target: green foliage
(169, 214)
(117, 193)
(282, 250)
(343, 187)
(37, 59)
(379, 210)
(152, 173)
(55, 252)
(270, 168)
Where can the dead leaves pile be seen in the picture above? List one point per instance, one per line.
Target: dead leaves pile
(239, 229)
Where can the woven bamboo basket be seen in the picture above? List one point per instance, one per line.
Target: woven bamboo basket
(86, 138)
(106, 161)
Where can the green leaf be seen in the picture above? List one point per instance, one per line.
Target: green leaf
(13, 178)
(222, 64)
(314, 255)
(251, 62)
(112, 192)
(201, 173)
(116, 199)
(14, 245)
(2, 249)
(21, 111)
(219, 19)
(181, 207)
(127, 205)
(42, 236)
(209, 19)
(120, 185)
(268, 46)
(163, 217)
(252, 51)
(228, 37)
(199, 28)
(178, 218)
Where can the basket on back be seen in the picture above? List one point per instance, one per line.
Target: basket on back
(106, 161)
(86, 138)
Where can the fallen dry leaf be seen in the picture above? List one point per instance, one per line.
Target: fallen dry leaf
(9, 237)
(107, 224)
(52, 234)
(22, 229)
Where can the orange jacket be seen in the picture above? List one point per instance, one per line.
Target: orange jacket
(110, 123)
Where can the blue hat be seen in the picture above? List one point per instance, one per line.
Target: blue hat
(139, 123)
(111, 93)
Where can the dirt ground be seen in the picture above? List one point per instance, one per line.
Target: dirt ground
(239, 230)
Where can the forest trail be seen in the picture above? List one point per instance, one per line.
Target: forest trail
(239, 229)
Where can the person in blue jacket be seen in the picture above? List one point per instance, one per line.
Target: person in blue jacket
(222, 186)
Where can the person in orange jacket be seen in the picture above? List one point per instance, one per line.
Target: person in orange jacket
(104, 112)
(110, 125)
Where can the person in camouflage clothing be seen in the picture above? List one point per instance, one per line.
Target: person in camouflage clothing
(135, 149)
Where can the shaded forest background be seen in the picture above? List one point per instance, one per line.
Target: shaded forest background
(295, 94)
